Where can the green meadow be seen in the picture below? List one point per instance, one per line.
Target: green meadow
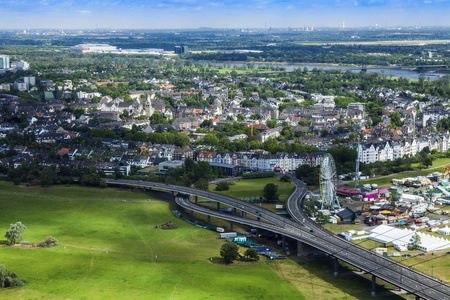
(111, 250)
(253, 188)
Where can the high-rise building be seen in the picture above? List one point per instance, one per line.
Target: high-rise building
(181, 49)
(4, 62)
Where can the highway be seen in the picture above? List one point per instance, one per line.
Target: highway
(302, 229)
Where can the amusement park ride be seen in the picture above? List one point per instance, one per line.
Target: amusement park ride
(328, 182)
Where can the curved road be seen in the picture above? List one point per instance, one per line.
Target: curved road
(306, 231)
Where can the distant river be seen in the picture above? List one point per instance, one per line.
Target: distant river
(382, 71)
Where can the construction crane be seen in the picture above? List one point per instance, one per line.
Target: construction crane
(446, 169)
(251, 127)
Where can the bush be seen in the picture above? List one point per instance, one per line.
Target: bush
(49, 242)
(259, 175)
(223, 186)
(168, 225)
(9, 278)
(251, 253)
(285, 178)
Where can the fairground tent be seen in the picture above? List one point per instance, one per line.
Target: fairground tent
(387, 234)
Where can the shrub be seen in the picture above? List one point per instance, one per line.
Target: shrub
(9, 278)
(168, 225)
(223, 186)
(285, 178)
(49, 242)
(259, 175)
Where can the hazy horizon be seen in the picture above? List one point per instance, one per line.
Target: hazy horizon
(184, 14)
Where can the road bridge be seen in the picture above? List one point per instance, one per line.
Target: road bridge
(304, 230)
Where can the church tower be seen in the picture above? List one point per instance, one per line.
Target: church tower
(148, 107)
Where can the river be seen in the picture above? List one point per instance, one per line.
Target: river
(388, 72)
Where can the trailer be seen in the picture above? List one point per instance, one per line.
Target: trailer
(228, 235)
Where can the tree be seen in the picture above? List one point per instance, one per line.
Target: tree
(230, 252)
(272, 123)
(395, 197)
(14, 233)
(202, 184)
(396, 119)
(287, 132)
(9, 278)
(48, 176)
(157, 118)
(125, 114)
(308, 174)
(425, 160)
(285, 178)
(270, 192)
(321, 218)
(206, 123)
(310, 207)
(222, 186)
(251, 253)
(414, 241)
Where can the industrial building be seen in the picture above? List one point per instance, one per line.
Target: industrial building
(94, 48)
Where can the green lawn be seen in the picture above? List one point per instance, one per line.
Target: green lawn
(253, 188)
(74, 191)
(387, 180)
(336, 228)
(111, 250)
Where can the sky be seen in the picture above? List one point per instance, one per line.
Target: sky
(173, 14)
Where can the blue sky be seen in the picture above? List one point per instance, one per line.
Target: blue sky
(156, 14)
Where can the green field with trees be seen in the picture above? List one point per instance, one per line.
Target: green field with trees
(110, 249)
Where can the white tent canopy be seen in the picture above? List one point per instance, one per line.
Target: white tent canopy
(387, 234)
(444, 231)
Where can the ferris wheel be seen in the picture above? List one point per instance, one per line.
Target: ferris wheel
(328, 180)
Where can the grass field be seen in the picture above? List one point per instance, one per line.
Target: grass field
(111, 250)
(253, 188)
(387, 180)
